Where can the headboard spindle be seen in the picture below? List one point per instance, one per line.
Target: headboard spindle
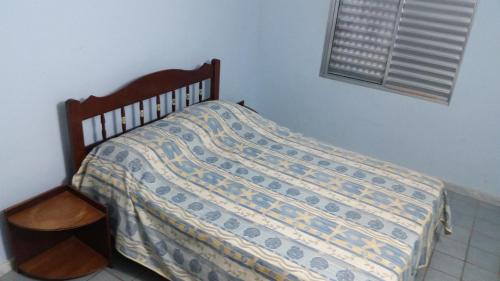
(144, 88)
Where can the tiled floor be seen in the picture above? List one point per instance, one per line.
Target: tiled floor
(472, 253)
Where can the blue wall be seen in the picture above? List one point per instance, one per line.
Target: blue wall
(459, 143)
(54, 50)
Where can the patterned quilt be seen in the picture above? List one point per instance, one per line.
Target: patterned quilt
(217, 192)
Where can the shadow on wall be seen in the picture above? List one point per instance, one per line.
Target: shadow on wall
(66, 147)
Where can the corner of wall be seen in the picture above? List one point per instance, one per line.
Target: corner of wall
(474, 193)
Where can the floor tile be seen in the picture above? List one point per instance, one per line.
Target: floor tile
(489, 215)
(487, 228)
(462, 220)
(474, 273)
(485, 243)
(85, 278)
(14, 276)
(483, 260)
(104, 276)
(468, 206)
(434, 275)
(451, 247)
(460, 234)
(447, 264)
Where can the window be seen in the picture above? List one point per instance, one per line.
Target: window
(411, 47)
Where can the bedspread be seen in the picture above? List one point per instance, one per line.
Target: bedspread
(217, 192)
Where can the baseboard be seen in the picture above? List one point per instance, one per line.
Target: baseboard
(5, 267)
(481, 196)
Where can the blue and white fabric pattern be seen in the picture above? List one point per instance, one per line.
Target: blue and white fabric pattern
(217, 192)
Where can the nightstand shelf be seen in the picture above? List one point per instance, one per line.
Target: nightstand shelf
(61, 212)
(69, 259)
(58, 235)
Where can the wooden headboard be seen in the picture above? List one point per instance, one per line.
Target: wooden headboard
(174, 82)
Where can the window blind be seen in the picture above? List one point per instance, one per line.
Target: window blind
(363, 38)
(413, 47)
(429, 47)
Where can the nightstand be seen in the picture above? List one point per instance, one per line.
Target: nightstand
(60, 234)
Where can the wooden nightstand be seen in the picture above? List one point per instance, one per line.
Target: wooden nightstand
(60, 234)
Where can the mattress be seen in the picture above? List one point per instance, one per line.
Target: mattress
(217, 192)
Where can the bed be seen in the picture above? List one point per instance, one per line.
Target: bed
(210, 190)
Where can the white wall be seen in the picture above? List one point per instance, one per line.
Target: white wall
(54, 50)
(459, 143)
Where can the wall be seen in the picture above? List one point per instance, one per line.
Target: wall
(459, 143)
(54, 50)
